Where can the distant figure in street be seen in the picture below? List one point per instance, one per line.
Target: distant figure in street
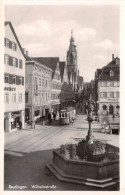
(20, 124)
(49, 118)
(54, 115)
(113, 116)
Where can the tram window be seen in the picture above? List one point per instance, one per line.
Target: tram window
(65, 114)
(62, 115)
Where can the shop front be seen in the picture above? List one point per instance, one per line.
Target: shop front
(13, 121)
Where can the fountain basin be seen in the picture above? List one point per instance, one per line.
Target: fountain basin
(97, 174)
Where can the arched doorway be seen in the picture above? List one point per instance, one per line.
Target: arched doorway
(104, 107)
(111, 109)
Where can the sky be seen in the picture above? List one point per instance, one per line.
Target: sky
(45, 31)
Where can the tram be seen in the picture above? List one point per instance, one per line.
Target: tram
(67, 115)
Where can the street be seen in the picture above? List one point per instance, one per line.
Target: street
(27, 152)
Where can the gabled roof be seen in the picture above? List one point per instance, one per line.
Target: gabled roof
(9, 23)
(113, 63)
(62, 67)
(105, 73)
(50, 62)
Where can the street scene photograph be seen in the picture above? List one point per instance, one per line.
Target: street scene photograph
(61, 97)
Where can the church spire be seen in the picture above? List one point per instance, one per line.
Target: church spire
(72, 39)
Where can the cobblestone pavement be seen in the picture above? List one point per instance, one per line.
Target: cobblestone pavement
(28, 151)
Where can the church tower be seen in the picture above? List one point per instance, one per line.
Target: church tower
(72, 63)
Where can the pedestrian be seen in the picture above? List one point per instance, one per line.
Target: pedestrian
(54, 115)
(20, 124)
(113, 116)
(49, 118)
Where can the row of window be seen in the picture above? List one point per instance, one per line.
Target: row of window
(109, 94)
(10, 44)
(41, 98)
(7, 98)
(55, 96)
(13, 79)
(109, 84)
(12, 61)
(57, 76)
(56, 86)
(42, 82)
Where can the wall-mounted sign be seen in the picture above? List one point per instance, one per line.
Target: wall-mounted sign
(9, 89)
(113, 99)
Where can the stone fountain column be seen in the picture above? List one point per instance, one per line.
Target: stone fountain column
(91, 104)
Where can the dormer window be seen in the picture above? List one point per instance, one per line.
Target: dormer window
(111, 73)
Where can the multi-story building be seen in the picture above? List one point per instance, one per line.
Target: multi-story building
(108, 86)
(53, 63)
(14, 81)
(67, 93)
(38, 89)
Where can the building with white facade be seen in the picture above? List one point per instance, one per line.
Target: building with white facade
(53, 63)
(14, 81)
(108, 86)
(38, 89)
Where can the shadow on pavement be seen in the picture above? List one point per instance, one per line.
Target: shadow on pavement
(29, 169)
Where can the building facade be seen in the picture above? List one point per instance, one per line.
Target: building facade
(38, 90)
(14, 81)
(108, 86)
(53, 63)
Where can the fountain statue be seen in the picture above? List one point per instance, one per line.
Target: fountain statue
(90, 109)
(90, 162)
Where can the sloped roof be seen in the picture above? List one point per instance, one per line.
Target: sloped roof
(61, 67)
(105, 74)
(113, 63)
(50, 62)
(11, 26)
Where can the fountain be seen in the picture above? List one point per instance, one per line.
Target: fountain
(91, 162)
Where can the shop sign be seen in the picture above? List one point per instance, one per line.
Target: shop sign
(113, 99)
(9, 89)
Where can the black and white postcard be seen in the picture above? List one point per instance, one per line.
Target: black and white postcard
(62, 89)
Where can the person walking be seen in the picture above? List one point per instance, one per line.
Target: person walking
(20, 125)
(54, 115)
(113, 116)
(49, 118)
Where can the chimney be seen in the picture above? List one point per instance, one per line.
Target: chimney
(26, 53)
(112, 57)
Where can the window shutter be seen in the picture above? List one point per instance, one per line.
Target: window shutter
(16, 62)
(4, 41)
(22, 80)
(10, 44)
(10, 79)
(17, 80)
(20, 63)
(15, 46)
(10, 61)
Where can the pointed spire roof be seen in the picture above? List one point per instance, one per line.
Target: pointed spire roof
(71, 39)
